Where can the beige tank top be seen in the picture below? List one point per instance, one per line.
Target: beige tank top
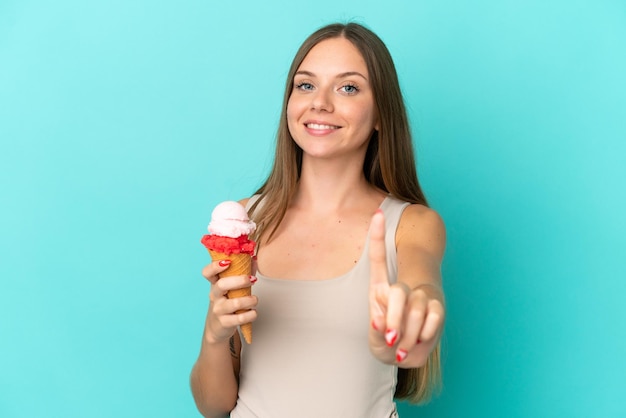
(310, 355)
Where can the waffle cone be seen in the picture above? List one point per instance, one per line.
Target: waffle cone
(240, 265)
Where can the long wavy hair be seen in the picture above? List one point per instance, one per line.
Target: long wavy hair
(389, 165)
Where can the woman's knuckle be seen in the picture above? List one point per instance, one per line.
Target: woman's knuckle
(435, 317)
(416, 314)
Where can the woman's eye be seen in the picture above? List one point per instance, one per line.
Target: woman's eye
(350, 89)
(304, 86)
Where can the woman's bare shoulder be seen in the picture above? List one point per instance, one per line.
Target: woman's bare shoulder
(423, 226)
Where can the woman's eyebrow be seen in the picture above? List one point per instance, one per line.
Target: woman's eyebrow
(341, 75)
(351, 73)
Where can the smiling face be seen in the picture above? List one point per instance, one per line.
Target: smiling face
(331, 109)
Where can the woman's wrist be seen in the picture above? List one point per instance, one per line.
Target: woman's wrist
(213, 341)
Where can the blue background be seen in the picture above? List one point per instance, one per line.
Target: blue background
(123, 122)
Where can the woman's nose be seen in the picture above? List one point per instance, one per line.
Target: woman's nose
(322, 101)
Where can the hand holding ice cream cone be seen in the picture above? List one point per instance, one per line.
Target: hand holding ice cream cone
(228, 240)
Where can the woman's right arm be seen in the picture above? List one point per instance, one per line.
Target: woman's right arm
(214, 377)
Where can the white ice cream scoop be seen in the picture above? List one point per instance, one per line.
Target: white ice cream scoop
(229, 219)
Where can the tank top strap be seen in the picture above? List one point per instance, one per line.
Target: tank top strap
(392, 209)
(251, 201)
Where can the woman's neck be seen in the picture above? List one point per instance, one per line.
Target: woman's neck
(330, 186)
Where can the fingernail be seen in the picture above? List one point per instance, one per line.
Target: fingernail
(401, 354)
(253, 279)
(379, 210)
(391, 335)
(224, 263)
(374, 325)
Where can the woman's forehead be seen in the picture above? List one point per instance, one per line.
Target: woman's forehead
(334, 55)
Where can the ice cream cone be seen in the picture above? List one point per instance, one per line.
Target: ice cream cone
(228, 239)
(240, 265)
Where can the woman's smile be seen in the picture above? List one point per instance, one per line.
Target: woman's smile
(320, 128)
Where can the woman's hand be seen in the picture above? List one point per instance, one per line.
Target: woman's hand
(406, 317)
(222, 319)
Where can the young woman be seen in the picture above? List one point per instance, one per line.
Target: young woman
(348, 306)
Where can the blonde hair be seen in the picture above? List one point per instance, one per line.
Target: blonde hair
(389, 165)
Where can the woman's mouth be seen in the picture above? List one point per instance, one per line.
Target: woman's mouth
(319, 126)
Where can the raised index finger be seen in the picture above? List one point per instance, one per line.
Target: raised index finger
(377, 254)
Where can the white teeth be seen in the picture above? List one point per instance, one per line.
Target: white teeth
(318, 126)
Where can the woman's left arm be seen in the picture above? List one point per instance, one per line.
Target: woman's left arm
(407, 317)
